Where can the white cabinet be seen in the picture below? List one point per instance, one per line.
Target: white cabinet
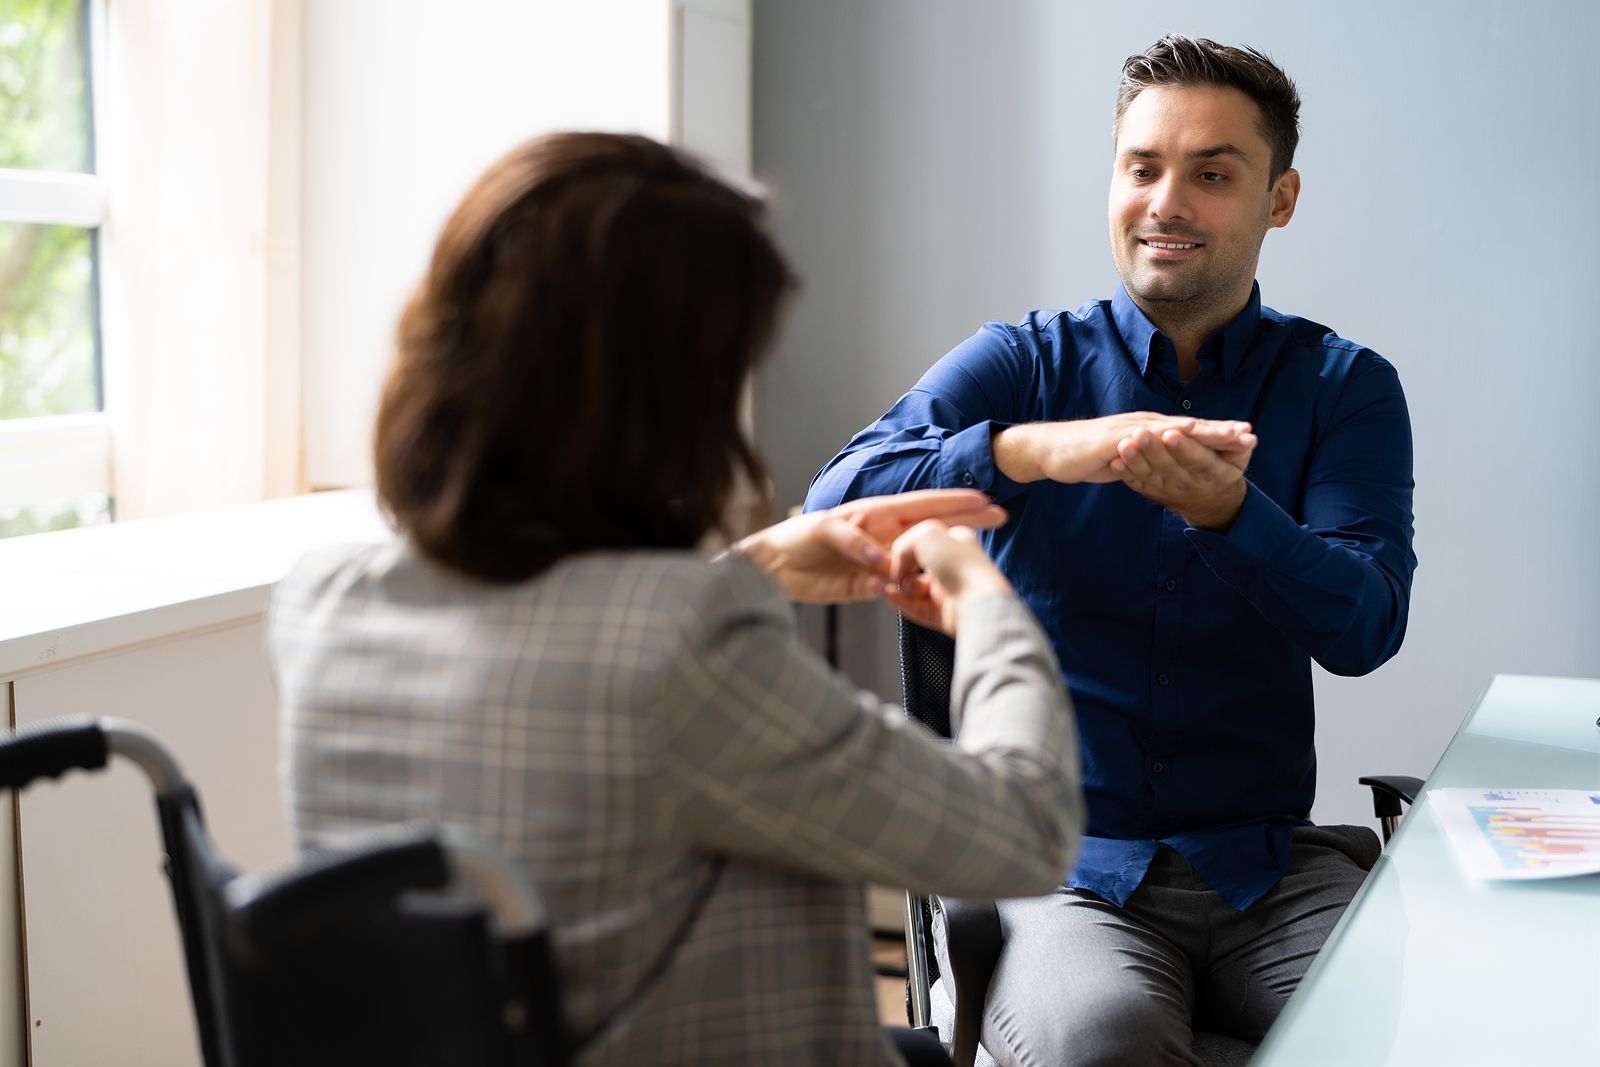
(105, 973)
(160, 622)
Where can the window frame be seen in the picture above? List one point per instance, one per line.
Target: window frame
(57, 458)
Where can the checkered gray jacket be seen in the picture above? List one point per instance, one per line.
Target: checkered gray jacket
(646, 734)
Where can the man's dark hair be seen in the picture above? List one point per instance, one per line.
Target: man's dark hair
(1177, 61)
(569, 372)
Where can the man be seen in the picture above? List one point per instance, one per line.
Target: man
(1206, 495)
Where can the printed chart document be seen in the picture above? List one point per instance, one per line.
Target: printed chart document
(1521, 833)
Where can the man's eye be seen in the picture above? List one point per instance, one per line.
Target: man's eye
(1212, 177)
(1139, 173)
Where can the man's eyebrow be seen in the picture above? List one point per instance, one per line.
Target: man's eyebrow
(1211, 152)
(1223, 149)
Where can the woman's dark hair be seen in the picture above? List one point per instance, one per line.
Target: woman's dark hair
(569, 372)
(1186, 62)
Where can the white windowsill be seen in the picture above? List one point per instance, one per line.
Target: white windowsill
(85, 592)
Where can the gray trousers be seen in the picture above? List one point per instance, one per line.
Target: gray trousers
(1083, 982)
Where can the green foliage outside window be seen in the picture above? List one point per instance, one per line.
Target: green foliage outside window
(47, 279)
(47, 364)
(89, 511)
(42, 105)
(47, 361)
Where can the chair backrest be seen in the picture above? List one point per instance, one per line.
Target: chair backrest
(352, 955)
(927, 661)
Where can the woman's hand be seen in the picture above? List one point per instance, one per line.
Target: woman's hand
(843, 554)
(935, 568)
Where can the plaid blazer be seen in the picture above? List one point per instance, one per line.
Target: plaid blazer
(646, 734)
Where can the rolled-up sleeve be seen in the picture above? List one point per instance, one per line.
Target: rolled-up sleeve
(937, 436)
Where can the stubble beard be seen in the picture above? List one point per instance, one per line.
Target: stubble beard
(1172, 298)
(1194, 293)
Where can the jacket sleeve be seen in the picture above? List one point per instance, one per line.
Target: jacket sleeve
(779, 759)
(1338, 583)
(937, 435)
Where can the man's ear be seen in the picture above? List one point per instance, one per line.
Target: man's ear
(1285, 194)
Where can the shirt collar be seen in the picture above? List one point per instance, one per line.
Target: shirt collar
(1139, 333)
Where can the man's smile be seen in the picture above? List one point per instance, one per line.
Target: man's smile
(1162, 248)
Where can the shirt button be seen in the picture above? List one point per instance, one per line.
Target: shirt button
(1162, 679)
(1169, 585)
(1158, 766)
(967, 478)
(1187, 404)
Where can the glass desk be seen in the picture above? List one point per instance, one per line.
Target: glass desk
(1427, 967)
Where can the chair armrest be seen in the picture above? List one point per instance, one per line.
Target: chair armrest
(1388, 790)
(972, 938)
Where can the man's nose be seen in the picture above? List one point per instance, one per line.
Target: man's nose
(1169, 199)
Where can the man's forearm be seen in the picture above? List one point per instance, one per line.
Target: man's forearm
(1017, 453)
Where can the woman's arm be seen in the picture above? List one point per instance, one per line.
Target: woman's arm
(781, 760)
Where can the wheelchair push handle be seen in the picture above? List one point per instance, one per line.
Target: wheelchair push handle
(51, 749)
(86, 743)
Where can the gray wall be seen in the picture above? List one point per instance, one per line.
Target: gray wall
(937, 163)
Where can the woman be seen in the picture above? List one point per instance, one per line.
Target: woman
(544, 656)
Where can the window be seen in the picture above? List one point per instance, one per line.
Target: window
(54, 441)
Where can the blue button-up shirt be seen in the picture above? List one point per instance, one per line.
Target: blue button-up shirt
(1187, 652)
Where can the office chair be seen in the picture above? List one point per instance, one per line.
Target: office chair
(407, 945)
(973, 938)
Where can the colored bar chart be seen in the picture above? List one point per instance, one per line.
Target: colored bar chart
(1522, 833)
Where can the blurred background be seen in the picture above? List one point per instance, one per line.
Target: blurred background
(210, 214)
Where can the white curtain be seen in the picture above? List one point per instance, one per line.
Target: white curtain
(200, 150)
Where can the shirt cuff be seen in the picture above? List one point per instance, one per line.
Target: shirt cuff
(966, 461)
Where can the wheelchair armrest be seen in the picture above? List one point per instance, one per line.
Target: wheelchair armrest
(972, 938)
(1388, 790)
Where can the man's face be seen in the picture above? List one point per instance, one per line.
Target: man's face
(1190, 202)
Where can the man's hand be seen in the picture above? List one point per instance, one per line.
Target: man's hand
(843, 554)
(1204, 484)
(1083, 450)
(935, 568)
